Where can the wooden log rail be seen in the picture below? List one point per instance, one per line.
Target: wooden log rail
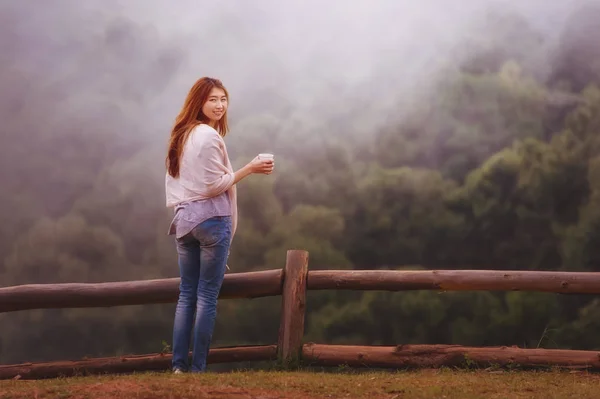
(415, 356)
(129, 364)
(269, 283)
(74, 295)
(455, 280)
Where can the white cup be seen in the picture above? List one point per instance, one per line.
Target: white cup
(266, 156)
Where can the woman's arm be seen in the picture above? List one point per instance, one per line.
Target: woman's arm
(213, 174)
(264, 166)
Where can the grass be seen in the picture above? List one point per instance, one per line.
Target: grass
(438, 383)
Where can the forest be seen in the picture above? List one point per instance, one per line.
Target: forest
(494, 163)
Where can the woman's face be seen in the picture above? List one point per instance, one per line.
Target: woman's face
(216, 105)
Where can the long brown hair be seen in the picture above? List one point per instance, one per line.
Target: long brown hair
(189, 117)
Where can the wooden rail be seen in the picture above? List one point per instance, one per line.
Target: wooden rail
(456, 280)
(72, 295)
(410, 356)
(129, 364)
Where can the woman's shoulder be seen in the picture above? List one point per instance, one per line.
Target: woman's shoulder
(204, 134)
(206, 129)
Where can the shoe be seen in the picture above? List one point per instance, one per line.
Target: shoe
(177, 371)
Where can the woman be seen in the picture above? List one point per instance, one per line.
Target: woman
(200, 185)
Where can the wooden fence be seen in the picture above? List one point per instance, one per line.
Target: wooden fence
(291, 283)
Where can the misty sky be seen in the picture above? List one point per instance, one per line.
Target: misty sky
(154, 50)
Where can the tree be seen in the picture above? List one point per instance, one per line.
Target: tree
(400, 217)
(518, 202)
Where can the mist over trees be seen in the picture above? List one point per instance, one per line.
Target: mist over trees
(405, 136)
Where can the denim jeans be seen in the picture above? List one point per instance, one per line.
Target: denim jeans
(202, 258)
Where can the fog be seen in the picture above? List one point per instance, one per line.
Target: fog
(102, 58)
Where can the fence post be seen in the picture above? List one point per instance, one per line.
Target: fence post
(293, 304)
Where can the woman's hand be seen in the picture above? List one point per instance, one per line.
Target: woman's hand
(257, 165)
(264, 166)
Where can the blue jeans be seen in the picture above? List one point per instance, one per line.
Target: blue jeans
(202, 258)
